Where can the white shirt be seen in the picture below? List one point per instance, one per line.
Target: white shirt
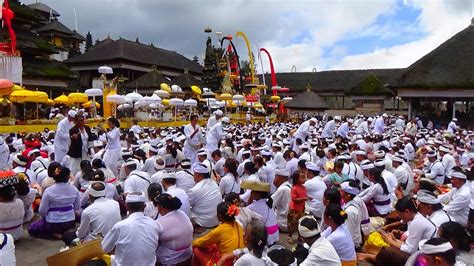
(98, 218)
(196, 139)
(402, 176)
(363, 129)
(452, 127)
(281, 201)
(228, 184)
(343, 130)
(185, 179)
(219, 166)
(303, 131)
(315, 188)
(137, 181)
(353, 222)
(459, 200)
(61, 137)
(279, 160)
(379, 126)
(149, 165)
(175, 241)
(7, 256)
(292, 165)
(134, 239)
(113, 139)
(328, 130)
(211, 122)
(391, 181)
(136, 129)
(269, 218)
(322, 252)
(435, 171)
(448, 163)
(341, 240)
(419, 229)
(203, 199)
(440, 217)
(181, 195)
(375, 192)
(249, 259)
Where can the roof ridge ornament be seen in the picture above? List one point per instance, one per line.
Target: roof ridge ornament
(308, 87)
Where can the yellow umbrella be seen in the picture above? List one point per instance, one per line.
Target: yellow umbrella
(37, 97)
(275, 98)
(225, 97)
(258, 105)
(89, 104)
(196, 90)
(77, 97)
(50, 102)
(165, 87)
(165, 102)
(63, 99)
(17, 88)
(20, 96)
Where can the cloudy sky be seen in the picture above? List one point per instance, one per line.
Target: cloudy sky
(307, 34)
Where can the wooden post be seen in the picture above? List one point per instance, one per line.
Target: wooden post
(409, 109)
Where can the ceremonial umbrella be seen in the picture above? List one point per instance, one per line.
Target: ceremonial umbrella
(63, 99)
(93, 92)
(77, 97)
(176, 102)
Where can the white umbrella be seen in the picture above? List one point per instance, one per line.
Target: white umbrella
(191, 103)
(94, 92)
(220, 104)
(176, 88)
(176, 102)
(155, 98)
(115, 98)
(105, 70)
(134, 96)
(162, 93)
(287, 99)
(127, 99)
(238, 98)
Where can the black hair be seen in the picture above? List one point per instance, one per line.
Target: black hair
(449, 255)
(298, 141)
(282, 257)
(302, 164)
(339, 164)
(352, 183)
(311, 224)
(335, 212)
(216, 153)
(320, 153)
(333, 152)
(7, 193)
(167, 201)
(229, 143)
(295, 177)
(406, 204)
(193, 116)
(258, 238)
(98, 175)
(114, 121)
(259, 160)
(63, 175)
(22, 187)
(86, 170)
(426, 185)
(154, 190)
(377, 173)
(231, 165)
(223, 213)
(333, 196)
(136, 206)
(98, 163)
(171, 181)
(172, 150)
(232, 198)
(250, 167)
(52, 167)
(140, 154)
(453, 231)
(245, 155)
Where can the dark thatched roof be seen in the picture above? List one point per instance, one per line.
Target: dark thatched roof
(333, 81)
(307, 100)
(56, 26)
(122, 49)
(186, 80)
(44, 9)
(150, 80)
(50, 69)
(449, 65)
(371, 86)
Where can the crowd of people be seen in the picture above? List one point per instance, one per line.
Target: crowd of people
(223, 193)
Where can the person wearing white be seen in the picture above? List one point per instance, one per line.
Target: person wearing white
(4, 155)
(447, 160)
(135, 239)
(62, 138)
(435, 169)
(458, 199)
(379, 127)
(149, 165)
(214, 119)
(303, 130)
(229, 183)
(341, 240)
(215, 134)
(419, 229)
(400, 124)
(428, 205)
(112, 150)
(321, 251)
(169, 185)
(452, 127)
(315, 188)
(363, 129)
(184, 177)
(204, 197)
(401, 174)
(99, 217)
(7, 250)
(281, 198)
(193, 135)
(136, 129)
(355, 214)
(344, 128)
(329, 128)
(137, 181)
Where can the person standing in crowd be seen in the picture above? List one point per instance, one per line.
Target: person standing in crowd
(297, 203)
(80, 135)
(134, 240)
(194, 136)
(62, 136)
(281, 198)
(112, 150)
(214, 119)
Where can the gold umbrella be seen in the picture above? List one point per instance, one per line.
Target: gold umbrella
(63, 99)
(90, 104)
(77, 97)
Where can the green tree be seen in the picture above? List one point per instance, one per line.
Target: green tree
(88, 41)
(196, 59)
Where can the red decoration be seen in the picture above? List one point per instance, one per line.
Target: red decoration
(233, 210)
(7, 16)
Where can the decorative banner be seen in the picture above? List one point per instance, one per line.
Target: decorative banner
(11, 68)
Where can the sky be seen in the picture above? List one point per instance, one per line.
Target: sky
(306, 34)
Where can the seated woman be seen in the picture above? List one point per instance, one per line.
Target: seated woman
(27, 195)
(459, 239)
(245, 215)
(154, 190)
(261, 203)
(338, 235)
(377, 196)
(174, 247)
(225, 238)
(98, 164)
(57, 207)
(419, 228)
(337, 177)
(435, 251)
(83, 177)
(110, 190)
(12, 209)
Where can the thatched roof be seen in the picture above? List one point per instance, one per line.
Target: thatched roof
(58, 27)
(450, 65)
(186, 80)
(307, 100)
(149, 81)
(41, 7)
(332, 81)
(133, 51)
(371, 86)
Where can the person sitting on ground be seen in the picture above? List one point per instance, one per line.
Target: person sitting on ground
(27, 195)
(459, 239)
(321, 251)
(174, 247)
(110, 190)
(225, 238)
(154, 190)
(245, 215)
(334, 217)
(58, 207)
(435, 251)
(12, 209)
